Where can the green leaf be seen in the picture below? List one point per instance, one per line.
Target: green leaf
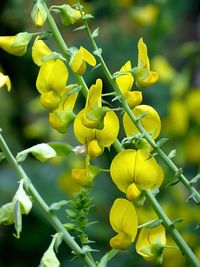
(58, 241)
(87, 16)
(83, 27)
(2, 156)
(95, 33)
(178, 220)
(61, 149)
(161, 142)
(195, 179)
(96, 67)
(141, 116)
(172, 154)
(42, 152)
(98, 52)
(174, 182)
(75, 89)
(58, 205)
(106, 258)
(118, 97)
(154, 224)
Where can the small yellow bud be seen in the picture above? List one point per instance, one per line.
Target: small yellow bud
(94, 149)
(5, 80)
(120, 241)
(50, 100)
(134, 98)
(39, 14)
(16, 45)
(132, 192)
(60, 120)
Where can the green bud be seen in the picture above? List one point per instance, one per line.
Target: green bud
(39, 14)
(7, 214)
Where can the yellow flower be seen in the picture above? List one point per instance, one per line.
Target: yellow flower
(85, 176)
(39, 50)
(94, 113)
(165, 70)
(79, 60)
(151, 242)
(53, 75)
(132, 170)
(143, 75)
(63, 115)
(125, 83)
(16, 45)
(39, 14)
(105, 137)
(68, 14)
(145, 15)
(123, 219)
(151, 121)
(5, 81)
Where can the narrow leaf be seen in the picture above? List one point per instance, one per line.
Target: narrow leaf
(58, 205)
(172, 154)
(83, 27)
(98, 52)
(106, 258)
(195, 179)
(154, 224)
(87, 16)
(95, 33)
(161, 142)
(96, 67)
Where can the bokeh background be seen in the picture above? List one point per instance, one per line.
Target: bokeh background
(171, 30)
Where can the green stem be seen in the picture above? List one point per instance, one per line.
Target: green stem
(169, 226)
(194, 193)
(44, 208)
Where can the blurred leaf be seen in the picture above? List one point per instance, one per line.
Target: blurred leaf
(58, 205)
(172, 154)
(161, 142)
(95, 33)
(195, 179)
(83, 27)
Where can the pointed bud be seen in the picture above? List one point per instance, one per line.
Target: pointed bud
(132, 192)
(60, 120)
(39, 14)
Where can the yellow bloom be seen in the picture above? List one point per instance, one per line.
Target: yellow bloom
(94, 113)
(68, 14)
(151, 242)
(39, 50)
(63, 116)
(145, 15)
(105, 137)
(151, 121)
(94, 149)
(39, 14)
(125, 83)
(143, 75)
(17, 44)
(79, 60)
(165, 70)
(85, 177)
(53, 75)
(123, 219)
(5, 81)
(132, 171)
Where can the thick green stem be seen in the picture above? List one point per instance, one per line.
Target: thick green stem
(169, 226)
(194, 193)
(44, 208)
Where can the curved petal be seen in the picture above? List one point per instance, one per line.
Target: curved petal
(151, 121)
(125, 82)
(88, 57)
(39, 50)
(143, 60)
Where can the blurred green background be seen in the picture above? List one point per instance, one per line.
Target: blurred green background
(171, 31)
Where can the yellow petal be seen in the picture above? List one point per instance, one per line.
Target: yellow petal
(52, 75)
(143, 60)
(5, 80)
(88, 57)
(107, 136)
(151, 121)
(134, 98)
(120, 241)
(125, 82)
(60, 120)
(77, 63)
(132, 192)
(50, 100)
(123, 218)
(39, 50)
(94, 149)
(83, 134)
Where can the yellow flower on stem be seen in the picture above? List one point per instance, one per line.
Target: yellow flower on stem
(105, 137)
(85, 176)
(125, 83)
(5, 81)
(151, 243)
(79, 60)
(94, 113)
(132, 170)
(143, 75)
(63, 116)
(123, 219)
(39, 50)
(16, 45)
(39, 14)
(150, 121)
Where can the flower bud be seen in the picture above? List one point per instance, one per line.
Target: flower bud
(50, 100)
(132, 192)
(16, 45)
(5, 80)
(39, 14)
(68, 14)
(94, 149)
(134, 98)
(60, 120)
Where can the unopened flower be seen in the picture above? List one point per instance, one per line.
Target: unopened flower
(17, 44)
(5, 81)
(123, 219)
(68, 14)
(125, 83)
(150, 121)
(132, 170)
(94, 113)
(79, 60)
(39, 14)
(143, 75)
(39, 50)
(151, 242)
